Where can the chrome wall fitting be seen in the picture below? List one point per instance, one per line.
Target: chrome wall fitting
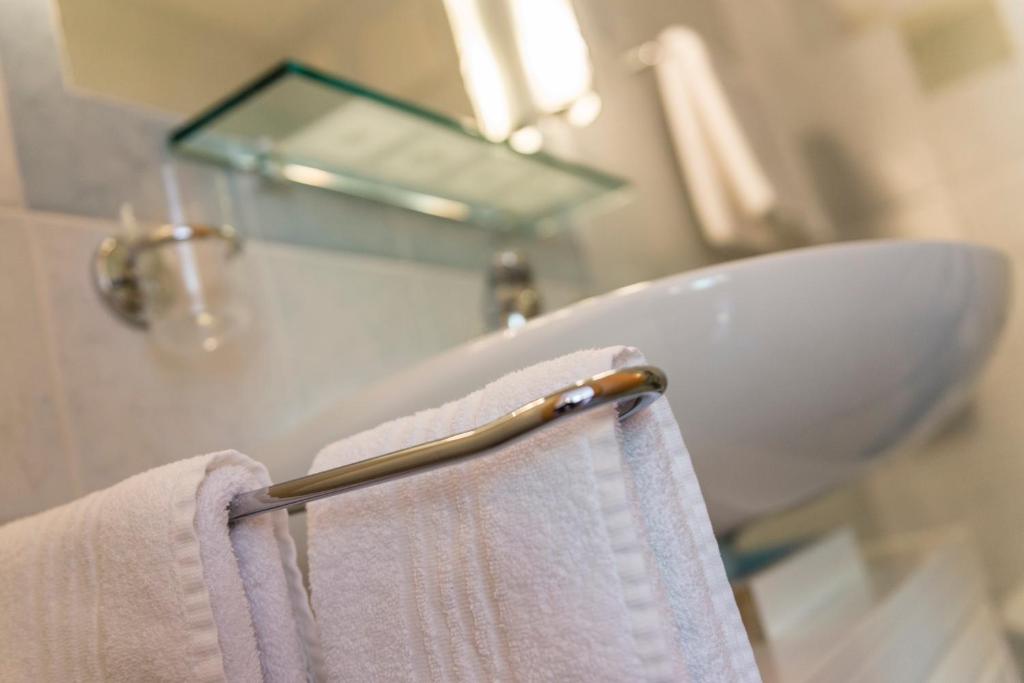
(116, 270)
(512, 295)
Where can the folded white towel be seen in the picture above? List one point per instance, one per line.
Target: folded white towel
(144, 582)
(582, 552)
(730, 191)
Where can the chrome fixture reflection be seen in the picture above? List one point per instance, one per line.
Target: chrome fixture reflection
(512, 294)
(167, 282)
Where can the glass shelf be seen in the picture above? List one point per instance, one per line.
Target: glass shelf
(304, 126)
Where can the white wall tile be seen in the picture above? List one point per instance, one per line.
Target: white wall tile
(448, 305)
(344, 318)
(132, 406)
(347, 320)
(324, 323)
(37, 467)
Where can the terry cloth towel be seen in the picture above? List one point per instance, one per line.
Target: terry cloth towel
(144, 582)
(732, 195)
(580, 553)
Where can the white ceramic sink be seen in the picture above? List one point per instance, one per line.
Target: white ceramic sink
(787, 373)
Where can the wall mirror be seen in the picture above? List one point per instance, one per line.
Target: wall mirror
(503, 63)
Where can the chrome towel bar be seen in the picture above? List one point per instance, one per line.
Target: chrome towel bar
(632, 389)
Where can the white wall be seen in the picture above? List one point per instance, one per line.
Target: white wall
(87, 401)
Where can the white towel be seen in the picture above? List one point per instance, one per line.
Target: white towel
(144, 582)
(582, 552)
(730, 191)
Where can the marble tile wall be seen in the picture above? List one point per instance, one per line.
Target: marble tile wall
(37, 467)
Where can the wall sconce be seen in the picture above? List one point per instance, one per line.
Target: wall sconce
(522, 60)
(174, 282)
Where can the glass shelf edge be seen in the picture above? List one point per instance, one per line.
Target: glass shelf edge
(416, 199)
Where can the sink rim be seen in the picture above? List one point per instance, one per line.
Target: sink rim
(423, 388)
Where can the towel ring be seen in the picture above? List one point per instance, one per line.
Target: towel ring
(632, 389)
(115, 267)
